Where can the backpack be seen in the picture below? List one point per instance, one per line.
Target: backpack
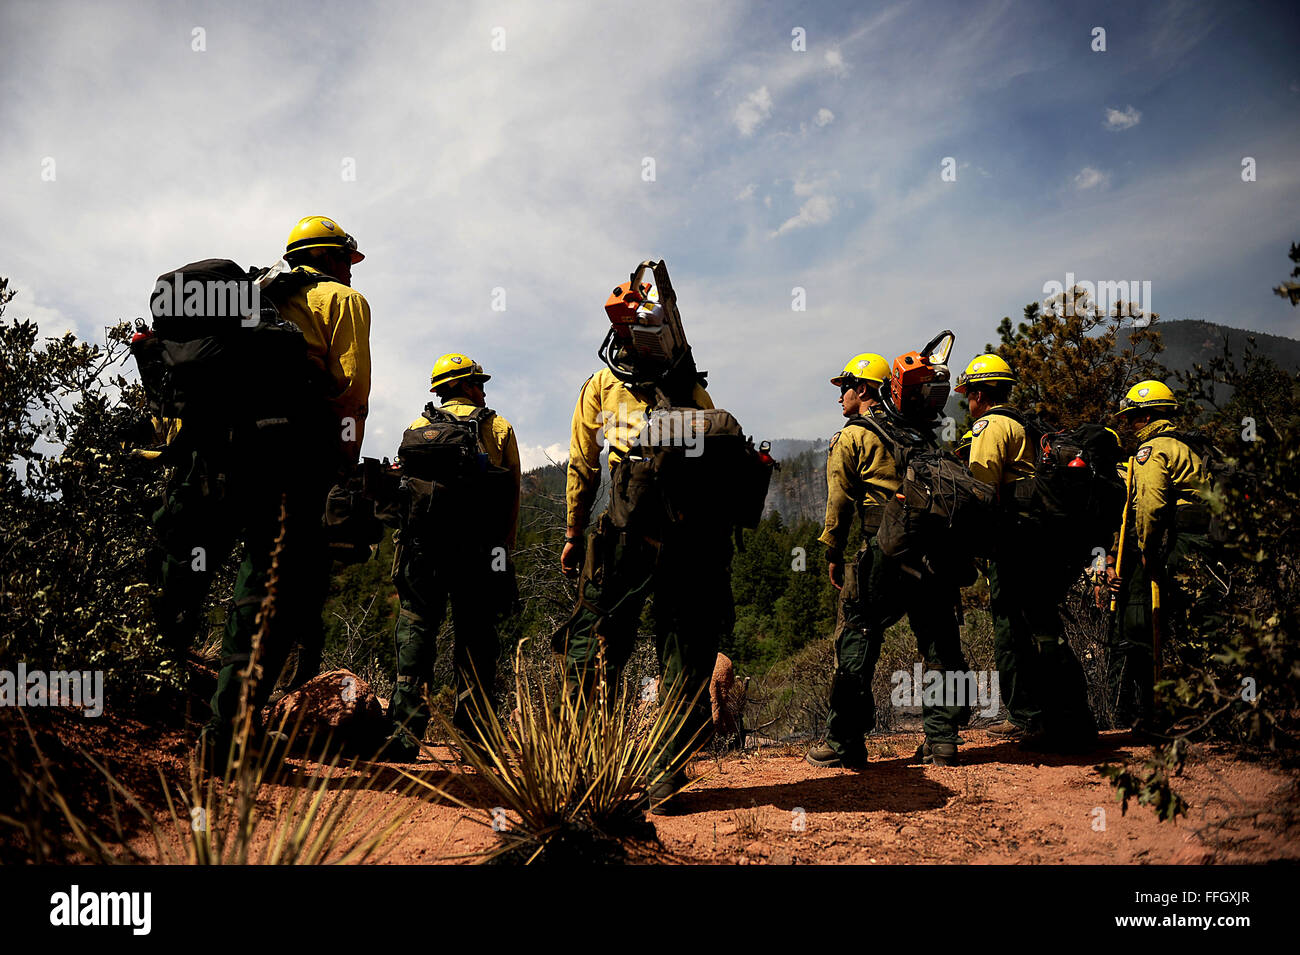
(941, 513)
(447, 479)
(689, 465)
(218, 355)
(1074, 501)
(1034, 425)
(354, 511)
(1076, 496)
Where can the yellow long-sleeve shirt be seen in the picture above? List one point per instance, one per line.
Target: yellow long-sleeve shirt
(860, 473)
(335, 320)
(498, 438)
(1000, 451)
(606, 410)
(1166, 474)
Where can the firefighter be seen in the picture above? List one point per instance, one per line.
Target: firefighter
(963, 448)
(191, 515)
(685, 565)
(467, 565)
(862, 475)
(1169, 523)
(1000, 454)
(1041, 679)
(296, 475)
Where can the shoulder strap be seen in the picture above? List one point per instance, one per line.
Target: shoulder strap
(897, 448)
(864, 421)
(1015, 414)
(663, 400)
(1199, 443)
(286, 284)
(471, 422)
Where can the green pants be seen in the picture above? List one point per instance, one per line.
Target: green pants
(1039, 676)
(1130, 664)
(876, 595)
(426, 584)
(303, 585)
(689, 576)
(196, 528)
(1014, 651)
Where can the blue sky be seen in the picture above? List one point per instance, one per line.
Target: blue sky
(521, 169)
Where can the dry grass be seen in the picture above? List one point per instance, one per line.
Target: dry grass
(258, 811)
(748, 822)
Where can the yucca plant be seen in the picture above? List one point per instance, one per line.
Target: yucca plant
(574, 776)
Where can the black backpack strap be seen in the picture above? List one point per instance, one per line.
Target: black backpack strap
(287, 284)
(664, 401)
(1190, 438)
(897, 449)
(1015, 414)
(480, 417)
(1200, 444)
(1035, 427)
(474, 420)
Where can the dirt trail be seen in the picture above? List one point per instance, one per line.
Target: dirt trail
(1001, 805)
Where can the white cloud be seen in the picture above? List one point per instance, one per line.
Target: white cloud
(25, 305)
(816, 211)
(747, 192)
(532, 456)
(808, 187)
(1089, 178)
(753, 111)
(824, 117)
(444, 146)
(1126, 118)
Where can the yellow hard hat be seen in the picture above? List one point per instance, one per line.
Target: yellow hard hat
(865, 367)
(453, 366)
(1146, 395)
(320, 232)
(984, 368)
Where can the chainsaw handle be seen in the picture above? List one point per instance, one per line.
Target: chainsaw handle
(934, 343)
(661, 281)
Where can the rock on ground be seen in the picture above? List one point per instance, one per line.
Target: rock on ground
(339, 707)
